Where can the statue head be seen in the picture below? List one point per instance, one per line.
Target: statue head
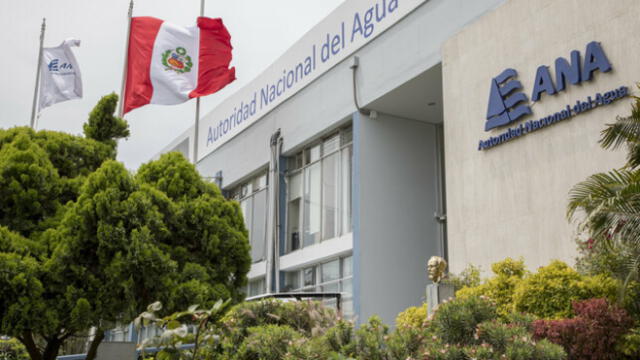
(436, 267)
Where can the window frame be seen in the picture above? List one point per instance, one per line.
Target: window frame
(249, 189)
(301, 159)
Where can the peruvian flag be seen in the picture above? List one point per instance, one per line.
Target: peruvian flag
(169, 64)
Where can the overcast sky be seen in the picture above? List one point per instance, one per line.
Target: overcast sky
(261, 30)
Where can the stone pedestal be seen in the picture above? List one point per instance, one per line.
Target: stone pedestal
(436, 294)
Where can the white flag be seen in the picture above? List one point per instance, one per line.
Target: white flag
(60, 75)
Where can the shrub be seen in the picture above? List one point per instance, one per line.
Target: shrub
(12, 349)
(469, 277)
(268, 342)
(439, 351)
(309, 349)
(629, 344)
(307, 317)
(521, 319)
(455, 322)
(592, 334)
(550, 292)
(412, 317)
(370, 340)
(406, 342)
(341, 338)
(500, 288)
(499, 335)
(547, 293)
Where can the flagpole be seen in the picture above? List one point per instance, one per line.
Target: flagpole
(195, 135)
(35, 91)
(126, 60)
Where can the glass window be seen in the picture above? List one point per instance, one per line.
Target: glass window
(330, 182)
(345, 186)
(246, 206)
(347, 266)
(323, 185)
(256, 287)
(308, 277)
(329, 277)
(312, 198)
(253, 203)
(258, 229)
(331, 271)
(313, 154)
(291, 281)
(331, 144)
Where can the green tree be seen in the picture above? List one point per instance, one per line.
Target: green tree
(85, 243)
(608, 203)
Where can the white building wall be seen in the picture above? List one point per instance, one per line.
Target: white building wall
(511, 200)
(401, 53)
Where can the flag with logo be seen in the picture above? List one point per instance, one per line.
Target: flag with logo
(169, 64)
(60, 75)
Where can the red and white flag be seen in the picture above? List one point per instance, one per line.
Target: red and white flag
(169, 64)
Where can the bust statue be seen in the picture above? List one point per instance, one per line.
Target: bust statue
(436, 267)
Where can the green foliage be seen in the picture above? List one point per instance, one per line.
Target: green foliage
(370, 340)
(413, 316)
(550, 292)
(545, 294)
(307, 318)
(102, 125)
(462, 329)
(83, 242)
(607, 208)
(406, 342)
(341, 338)
(629, 344)
(12, 349)
(268, 342)
(500, 288)
(455, 322)
(498, 334)
(469, 277)
(29, 185)
(176, 330)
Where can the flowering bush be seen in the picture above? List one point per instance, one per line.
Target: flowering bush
(548, 293)
(455, 322)
(592, 334)
(413, 316)
(500, 288)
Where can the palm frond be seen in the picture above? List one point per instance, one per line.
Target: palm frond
(625, 131)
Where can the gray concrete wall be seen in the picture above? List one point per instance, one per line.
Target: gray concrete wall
(404, 51)
(511, 200)
(394, 229)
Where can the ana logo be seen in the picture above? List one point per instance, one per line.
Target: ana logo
(505, 103)
(55, 66)
(177, 60)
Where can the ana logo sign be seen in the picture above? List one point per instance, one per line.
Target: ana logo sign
(507, 103)
(55, 66)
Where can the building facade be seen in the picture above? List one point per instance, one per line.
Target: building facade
(475, 120)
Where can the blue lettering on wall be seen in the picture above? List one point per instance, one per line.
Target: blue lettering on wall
(567, 112)
(595, 59)
(506, 105)
(363, 26)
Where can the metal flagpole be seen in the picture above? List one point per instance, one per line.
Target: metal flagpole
(126, 60)
(35, 91)
(196, 132)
